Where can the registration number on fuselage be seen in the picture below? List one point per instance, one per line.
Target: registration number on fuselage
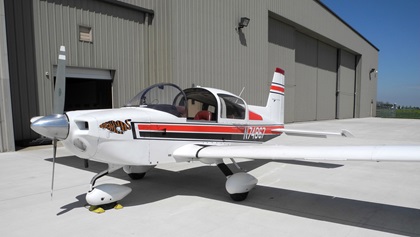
(254, 133)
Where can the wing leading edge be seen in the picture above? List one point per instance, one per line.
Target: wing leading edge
(283, 152)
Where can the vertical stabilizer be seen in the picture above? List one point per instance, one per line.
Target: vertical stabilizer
(275, 102)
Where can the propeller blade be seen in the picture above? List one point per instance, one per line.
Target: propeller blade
(60, 83)
(53, 171)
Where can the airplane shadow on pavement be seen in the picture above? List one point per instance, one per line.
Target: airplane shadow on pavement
(209, 182)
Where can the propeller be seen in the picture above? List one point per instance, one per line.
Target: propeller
(55, 126)
(53, 170)
(60, 82)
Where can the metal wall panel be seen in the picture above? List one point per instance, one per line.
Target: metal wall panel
(346, 85)
(281, 53)
(21, 65)
(160, 40)
(327, 82)
(7, 142)
(208, 51)
(306, 77)
(316, 64)
(120, 39)
(312, 18)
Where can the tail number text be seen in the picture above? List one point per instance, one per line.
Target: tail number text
(254, 133)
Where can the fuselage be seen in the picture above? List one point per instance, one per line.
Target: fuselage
(148, 134)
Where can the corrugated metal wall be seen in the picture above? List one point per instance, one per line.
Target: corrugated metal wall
(7, 142)
(20, 43)
(207, 50)
(346, 85)
(281, 53)
(327, 82)
(206, 53)
(306, 78)
(311, 18)
(311, 72)
(120, 44)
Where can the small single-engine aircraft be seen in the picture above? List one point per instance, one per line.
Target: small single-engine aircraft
(164, 124)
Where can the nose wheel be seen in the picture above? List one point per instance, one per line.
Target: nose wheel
(102, 208)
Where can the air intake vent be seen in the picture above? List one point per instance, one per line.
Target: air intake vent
(85, 34)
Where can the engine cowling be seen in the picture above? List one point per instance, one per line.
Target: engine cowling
(106, 193)
(240, 183)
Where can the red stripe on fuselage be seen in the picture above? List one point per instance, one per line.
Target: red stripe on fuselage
(204, 128)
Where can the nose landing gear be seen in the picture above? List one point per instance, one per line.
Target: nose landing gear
(104, 196)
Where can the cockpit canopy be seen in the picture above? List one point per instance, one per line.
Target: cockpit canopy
(211, 105)
(193, 103)
(166, 97)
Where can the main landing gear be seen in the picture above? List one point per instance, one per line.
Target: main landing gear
(239, 184)
(137, 172)
(106, 196)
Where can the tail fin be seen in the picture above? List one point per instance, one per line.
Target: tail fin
(275, 102)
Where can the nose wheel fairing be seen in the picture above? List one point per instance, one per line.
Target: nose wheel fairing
(107, 193)
(104, 195)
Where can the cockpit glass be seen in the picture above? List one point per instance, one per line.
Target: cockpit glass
(202, 104)
(231, 107)
(164, 97)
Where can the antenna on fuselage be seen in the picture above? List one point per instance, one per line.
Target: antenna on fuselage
(240, 94)
(241, 91)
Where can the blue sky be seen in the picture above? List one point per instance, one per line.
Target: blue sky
(393, 26)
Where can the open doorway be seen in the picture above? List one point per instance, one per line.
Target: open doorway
(83, 94)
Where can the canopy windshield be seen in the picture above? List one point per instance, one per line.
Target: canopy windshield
(164, 97)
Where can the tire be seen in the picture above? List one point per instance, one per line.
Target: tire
(238, 197)
(136, 176)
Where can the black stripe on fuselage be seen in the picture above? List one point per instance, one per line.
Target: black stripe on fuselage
(203, 136)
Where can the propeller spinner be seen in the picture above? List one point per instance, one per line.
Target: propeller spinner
(54, 126)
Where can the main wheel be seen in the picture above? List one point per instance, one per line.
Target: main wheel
(239, 196)
(136, 176)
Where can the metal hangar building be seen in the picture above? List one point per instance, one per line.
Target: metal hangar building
(117, 47)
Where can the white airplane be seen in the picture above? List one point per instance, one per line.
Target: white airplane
(164, 124)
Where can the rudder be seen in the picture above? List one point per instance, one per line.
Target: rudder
(275, 102)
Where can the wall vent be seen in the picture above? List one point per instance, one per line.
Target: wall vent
(85, 34)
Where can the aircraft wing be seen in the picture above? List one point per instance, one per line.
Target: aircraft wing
(295, 152)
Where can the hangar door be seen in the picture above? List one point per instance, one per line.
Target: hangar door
(281, 53)
(87, 88)
(316, 76)
(346, 85)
